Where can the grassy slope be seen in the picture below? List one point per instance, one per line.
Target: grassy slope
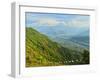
(41, 51)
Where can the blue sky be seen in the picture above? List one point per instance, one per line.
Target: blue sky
(54, 20)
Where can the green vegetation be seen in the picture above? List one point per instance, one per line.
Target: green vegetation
(41, 51)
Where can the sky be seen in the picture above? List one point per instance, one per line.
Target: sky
(33, 19)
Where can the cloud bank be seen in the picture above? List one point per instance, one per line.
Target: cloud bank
(53, 20)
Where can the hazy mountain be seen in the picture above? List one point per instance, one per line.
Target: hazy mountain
(73, 36)
(60, 30)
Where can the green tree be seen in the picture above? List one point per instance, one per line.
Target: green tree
(86, 58)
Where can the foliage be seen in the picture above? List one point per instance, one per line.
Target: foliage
(41, 51)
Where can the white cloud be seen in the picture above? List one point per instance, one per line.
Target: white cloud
(48, 21)
(80, 21)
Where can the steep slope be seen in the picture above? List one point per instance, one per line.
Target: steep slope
(41, 51)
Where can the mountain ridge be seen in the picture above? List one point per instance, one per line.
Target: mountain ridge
(41, 51)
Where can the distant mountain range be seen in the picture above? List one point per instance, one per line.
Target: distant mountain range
(61, 30)
(73, 36)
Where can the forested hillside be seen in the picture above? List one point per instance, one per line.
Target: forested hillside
(42, 51)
